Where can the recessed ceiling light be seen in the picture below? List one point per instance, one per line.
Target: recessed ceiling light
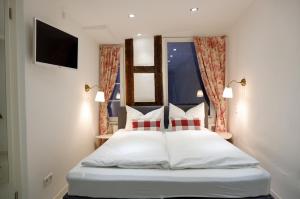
(139, 34)
(174, 49)
(131, 15)
(169, 61)
(171, 56)
(194, 9)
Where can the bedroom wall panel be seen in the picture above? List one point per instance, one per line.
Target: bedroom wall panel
(264, 47)
(142, 81)
(62, 119)
(143, 50)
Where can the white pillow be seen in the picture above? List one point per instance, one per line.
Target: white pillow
(195, 112)
(133, 114)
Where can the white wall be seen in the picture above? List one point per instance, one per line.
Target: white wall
(61, 117)
(264, 47)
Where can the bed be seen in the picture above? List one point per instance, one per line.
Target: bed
(112, 182)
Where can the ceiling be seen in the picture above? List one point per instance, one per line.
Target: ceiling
(108, 22)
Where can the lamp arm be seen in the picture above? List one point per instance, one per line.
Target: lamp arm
(232, 81)
(94, 86)
(242, 82)
(87, 87)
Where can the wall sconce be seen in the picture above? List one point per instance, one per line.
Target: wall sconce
(227, 93)
(100, 94)
(200, 93)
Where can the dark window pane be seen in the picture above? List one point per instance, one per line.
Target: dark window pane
(184, 78)
(114, 101)
(113, 108)
(118, 76)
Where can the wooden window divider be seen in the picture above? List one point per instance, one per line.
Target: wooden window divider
(130, 69)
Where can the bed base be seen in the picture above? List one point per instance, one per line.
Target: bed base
(258, 197)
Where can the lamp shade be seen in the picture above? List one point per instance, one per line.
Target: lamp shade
(199, 93)
(100, 96)
(118, 96)
(227, 93)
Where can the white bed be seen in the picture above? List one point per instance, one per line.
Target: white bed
(158, 183)
(94, 177)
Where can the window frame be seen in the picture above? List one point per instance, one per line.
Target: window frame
(165, 63)
(165, 40)
(122, 82)
(116, 100)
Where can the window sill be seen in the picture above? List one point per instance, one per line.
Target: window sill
(114, 100)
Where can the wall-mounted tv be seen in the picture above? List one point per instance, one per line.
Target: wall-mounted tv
(55, 47)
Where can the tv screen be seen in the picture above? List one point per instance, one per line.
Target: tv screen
(53, 46)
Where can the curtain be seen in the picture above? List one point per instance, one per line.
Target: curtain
(211, 56)
(109, 64)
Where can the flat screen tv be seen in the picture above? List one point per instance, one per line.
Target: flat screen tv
(55, 47)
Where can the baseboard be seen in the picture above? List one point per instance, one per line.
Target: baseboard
(62, 192)
(275, 195)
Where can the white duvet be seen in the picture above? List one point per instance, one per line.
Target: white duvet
(204, 149)
(174, 150)
(131, 149)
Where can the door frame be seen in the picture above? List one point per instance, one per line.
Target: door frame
(15, 95)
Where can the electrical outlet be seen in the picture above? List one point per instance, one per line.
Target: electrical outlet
(48, 179)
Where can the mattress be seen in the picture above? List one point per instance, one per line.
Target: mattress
(159, 183)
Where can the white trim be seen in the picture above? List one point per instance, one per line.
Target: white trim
(275, 195)
(178, 39)
(62, 192)
(114, 100)
(165, 63)
(15, 86)
(18, 73)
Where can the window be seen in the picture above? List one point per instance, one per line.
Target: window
(114, 101)
(146, 76)
(184, 79)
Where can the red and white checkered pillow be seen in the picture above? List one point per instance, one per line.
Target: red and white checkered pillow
(146, 125)
(185, 124)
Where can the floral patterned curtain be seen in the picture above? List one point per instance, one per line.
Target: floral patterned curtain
(109, 64)
(211, 56)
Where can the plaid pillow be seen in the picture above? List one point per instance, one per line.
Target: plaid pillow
(185, 124)
(146, 125)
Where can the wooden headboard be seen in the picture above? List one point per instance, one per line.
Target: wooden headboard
(146, 109)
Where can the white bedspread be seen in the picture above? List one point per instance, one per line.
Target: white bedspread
(133, 149)
(192, 149)
(164, 183)
(204, 149)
